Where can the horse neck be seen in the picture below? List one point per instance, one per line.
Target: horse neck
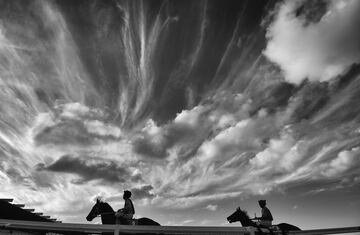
(245, 220)
(105, 217)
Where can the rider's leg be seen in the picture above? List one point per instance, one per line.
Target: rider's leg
(125, 219)
(265, 223)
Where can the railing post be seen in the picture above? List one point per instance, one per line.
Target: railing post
(117, 230)
(251, 230)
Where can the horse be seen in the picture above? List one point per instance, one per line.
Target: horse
(243, 218)
(108, 215)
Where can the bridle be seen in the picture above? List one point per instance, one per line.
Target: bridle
(107, 213)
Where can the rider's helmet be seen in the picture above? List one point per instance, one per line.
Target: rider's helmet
(127, 194)
(262, 202)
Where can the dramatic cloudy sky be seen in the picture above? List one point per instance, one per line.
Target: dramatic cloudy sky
(197, 107)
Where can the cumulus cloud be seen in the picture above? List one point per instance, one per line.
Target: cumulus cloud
(73, 110)
(155, 141)
(222, 122)
(317, 47)
(90, 169)
(63, 133)
(211, 207)
(248, 135)
(102, 130)
(281, 154)
(226, 140)
(341, 163)
(143, 192)
(74, 124)
(201, 141)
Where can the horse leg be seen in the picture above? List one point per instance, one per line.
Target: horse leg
(259, 229)
(117, 220)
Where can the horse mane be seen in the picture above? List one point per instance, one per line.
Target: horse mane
(107, 207)
(246, 220)
(99, 199)
(245, 213)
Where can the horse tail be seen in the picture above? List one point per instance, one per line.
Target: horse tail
(285, 227)
(147, 221)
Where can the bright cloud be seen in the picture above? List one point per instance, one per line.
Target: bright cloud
(211, 207)
(281, 154)
(341, 163)
(323, 49)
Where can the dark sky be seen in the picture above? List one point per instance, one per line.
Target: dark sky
(198, 107)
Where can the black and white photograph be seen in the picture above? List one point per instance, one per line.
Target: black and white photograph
(180, 117)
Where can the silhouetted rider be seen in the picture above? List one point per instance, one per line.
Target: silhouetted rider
(266, 218)
(125, 215)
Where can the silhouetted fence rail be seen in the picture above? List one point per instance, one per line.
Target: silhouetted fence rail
(69, 228)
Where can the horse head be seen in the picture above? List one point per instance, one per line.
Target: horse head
(241, 216)
(234, 216)
(95, 211)
(105, 210)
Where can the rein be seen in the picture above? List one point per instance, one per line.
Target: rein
(107, 213)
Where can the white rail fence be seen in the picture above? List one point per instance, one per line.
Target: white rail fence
(12, 226)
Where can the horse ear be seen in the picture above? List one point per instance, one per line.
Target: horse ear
(238, 208)
(97, 200)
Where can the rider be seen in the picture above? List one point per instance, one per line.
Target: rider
(266, 218)
(125, 215)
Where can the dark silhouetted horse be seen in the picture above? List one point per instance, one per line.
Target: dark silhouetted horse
(243, 218)
(108, 215)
